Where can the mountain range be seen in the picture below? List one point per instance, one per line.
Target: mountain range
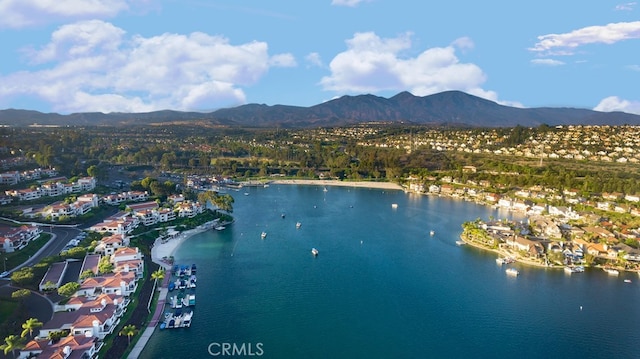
(449, 108)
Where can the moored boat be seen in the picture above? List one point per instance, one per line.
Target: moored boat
(298, 224)
(611, 271)
(512, 271)
(263, 235)
(314, 252)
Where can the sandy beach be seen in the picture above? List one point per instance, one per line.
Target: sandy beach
(164, 248)
(361, 184)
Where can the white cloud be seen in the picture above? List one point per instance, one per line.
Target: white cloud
(313, 59)
(565, 44)
(27, 13)
(614, 103)
(350, 3)
(634, 67)
(547, 62)
(626, 6)
(372, 64)
(283, 60)
(94, 66)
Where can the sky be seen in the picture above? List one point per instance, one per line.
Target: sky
(70, 56)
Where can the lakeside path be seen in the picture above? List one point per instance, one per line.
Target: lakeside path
(161, 250)
(361, 184)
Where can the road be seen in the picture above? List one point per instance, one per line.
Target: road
(60, 237)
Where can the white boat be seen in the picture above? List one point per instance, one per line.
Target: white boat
(186, 319)
(432, 233)
(460, 242)
(500, 261)
(394, 205)
(263, 235)
(512, 271)
(219, 228)
(325, 190)
(314, 251)
(611, 271)
(298, 225)
(627, 280)
(576, 269)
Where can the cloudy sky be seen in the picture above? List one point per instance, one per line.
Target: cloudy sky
(200, 55)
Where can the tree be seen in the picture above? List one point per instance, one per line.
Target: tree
(224, 202)
(105, 266)
(86, 274)
(21, 294)
(29, 326)
(129, 330)
(157, 275)
(22, 276)
(69, 289)
(56, 335)
(12, 342)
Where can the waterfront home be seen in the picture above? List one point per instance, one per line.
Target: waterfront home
(91, 320)
(119, 283)
(189, 209)
(77, 302)
(70, 347)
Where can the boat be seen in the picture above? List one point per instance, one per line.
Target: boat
(576, 269)
(282, 215)
(219, 228)
(460, 242)
(512, 271)
(500, 261)
(314, 251)
(172, 286)
(611, 271)
(394, 205)
(325, 189)
(432, 232)
(627, 280)
(186, 319)
(263, 235)
(191, 299)
(298, 225)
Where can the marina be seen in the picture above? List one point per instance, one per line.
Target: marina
(181, 298)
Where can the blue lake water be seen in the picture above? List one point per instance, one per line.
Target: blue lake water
(383, 287)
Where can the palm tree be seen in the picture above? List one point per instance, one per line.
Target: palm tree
(12, 342)
(129, 330)
(29, 326)
(157, 275)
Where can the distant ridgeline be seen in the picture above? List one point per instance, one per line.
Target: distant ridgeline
(450, 108)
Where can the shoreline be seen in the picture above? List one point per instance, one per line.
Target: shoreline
(336, 183)
(503, 253)
(163, 249)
